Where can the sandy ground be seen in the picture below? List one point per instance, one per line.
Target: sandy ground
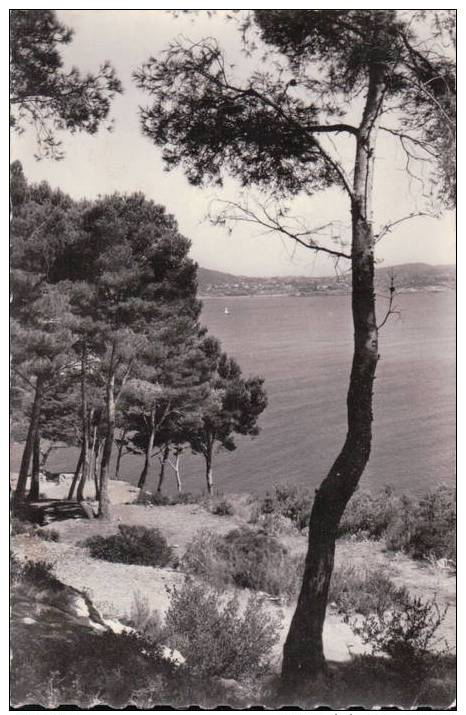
(112, 587)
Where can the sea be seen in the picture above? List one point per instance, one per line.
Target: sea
(302, 346)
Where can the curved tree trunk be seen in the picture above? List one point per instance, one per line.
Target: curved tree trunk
(34, 491)
(303, 654)
(20, 492)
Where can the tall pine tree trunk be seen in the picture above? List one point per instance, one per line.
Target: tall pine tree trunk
(303, 655)
(163, 463)
(84, 428)
(34, 490)
(104, 499)
(77, 472)
(20, 492)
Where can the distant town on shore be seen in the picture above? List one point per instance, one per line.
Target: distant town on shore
(408, 278)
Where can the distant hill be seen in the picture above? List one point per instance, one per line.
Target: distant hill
(409, 277)
(207, 276)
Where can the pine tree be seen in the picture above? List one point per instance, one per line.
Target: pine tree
(331, 74)
(130, 274)
(42, 93)
(233, 406)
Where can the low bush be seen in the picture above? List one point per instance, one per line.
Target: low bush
(406, 632)
(153, 499)
(157, 499)
(358, 590)
(218, 637)
(36, 572)
(428, 530)
(424, 528)
(48, 534)
(246, 559)
(18, 526)
(144, 619)
(223, 508)
(369, 515)
(291, 502)
(273, 524)
(132, 545)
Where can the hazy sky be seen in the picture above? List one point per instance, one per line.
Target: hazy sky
(126, 161)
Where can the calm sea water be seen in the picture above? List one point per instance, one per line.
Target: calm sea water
(303, 348)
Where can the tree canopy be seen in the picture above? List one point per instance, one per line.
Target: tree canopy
(270, 129)
(43, 93)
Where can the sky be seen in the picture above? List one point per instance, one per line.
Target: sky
(126, 161)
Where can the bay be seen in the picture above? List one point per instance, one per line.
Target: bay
(302, 346)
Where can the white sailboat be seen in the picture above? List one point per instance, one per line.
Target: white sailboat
(226, 311)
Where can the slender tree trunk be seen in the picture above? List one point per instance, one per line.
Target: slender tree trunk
(77, 472)
(97, 460)
(209, 475)
(28, 447)
(34, 490)
(104, 499)
(303, 654)
(44, 457)
(92, 450)
(121, 447)
(85, 418)
(163, 463)
(148, 455)
(176, 468)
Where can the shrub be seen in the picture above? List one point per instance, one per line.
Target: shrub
(246, 559)
(132, 545)
(406, 632)
(187, 498)
(204, 558)
(369, 515)
(157, 499)
(429, 530)
(153, 499)
(423, 528)
(273, 524)
(291, 502)
(36, 572)
(362, 591)
(144, 619)
(223, 508)
(48, 534)
(18, 526)
(216, 636)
